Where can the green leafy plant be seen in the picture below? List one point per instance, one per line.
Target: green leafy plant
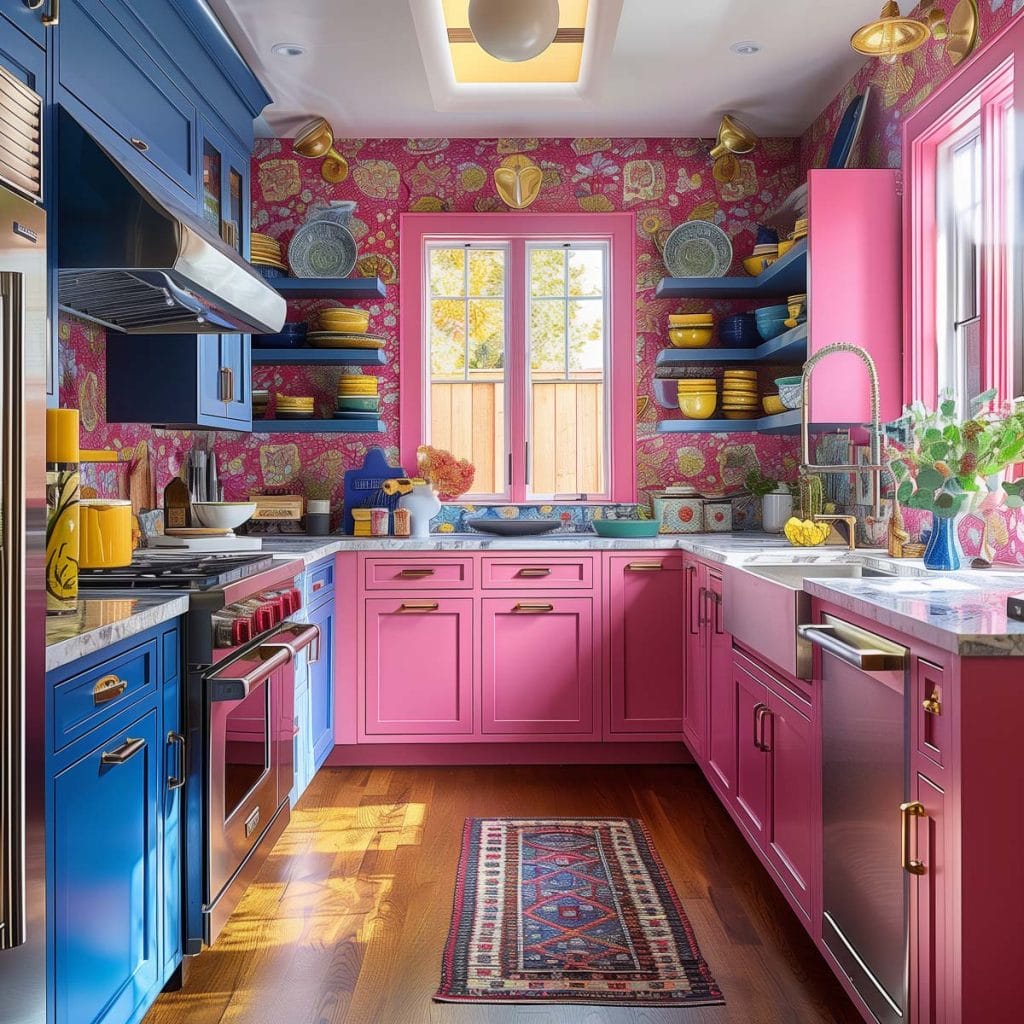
(948, 461)
(758, 484)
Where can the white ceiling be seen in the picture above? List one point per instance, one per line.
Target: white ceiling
(664, 69)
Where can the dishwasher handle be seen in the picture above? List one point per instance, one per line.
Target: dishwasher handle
(862, 656)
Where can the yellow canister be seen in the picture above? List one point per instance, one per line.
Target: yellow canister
(106, 533)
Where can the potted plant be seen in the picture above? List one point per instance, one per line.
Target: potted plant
(950, 464)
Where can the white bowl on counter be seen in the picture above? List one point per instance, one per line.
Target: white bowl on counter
(223, 515)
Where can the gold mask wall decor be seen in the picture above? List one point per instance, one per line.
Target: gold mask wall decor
(518, 181)
(734, 139)
(316, 140)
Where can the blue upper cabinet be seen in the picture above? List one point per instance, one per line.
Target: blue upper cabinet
(33, 19)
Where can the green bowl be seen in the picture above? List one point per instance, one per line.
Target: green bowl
(626, 527)
(357, 404)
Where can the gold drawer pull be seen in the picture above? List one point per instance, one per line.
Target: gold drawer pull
(533, 574)
(415, 574)
(127, 750)
(140, 144)
(909, 811)
(108, 688)
(932, 704)
(418, 606)
(533, 608)
(645, 567)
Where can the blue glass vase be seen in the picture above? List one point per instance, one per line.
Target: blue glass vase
(943, 552)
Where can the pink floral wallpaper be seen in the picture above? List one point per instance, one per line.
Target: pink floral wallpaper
(665, 181)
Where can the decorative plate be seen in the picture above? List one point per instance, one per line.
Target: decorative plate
(697, 248)
(321, 248)
(848, 131)
(513, 527)
(339, 339)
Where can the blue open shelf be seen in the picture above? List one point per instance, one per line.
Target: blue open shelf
(318, 357)
(786, 276)
(333, 426)
(784, 423)
(344, 289)
(790, 347)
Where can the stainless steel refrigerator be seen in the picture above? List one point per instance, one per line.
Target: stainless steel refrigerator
(25, 329)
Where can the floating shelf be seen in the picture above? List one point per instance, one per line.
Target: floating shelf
(318, 357)
(344, 289)
(790, 347)
(786, 276)
(332, 426)
(784, 423)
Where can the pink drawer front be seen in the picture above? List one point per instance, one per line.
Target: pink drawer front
(418, 573)
(541, 570)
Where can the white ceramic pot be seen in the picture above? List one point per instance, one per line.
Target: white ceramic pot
(776, 508)
(423, 504)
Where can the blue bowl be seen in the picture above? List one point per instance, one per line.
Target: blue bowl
(772, 312)
(290, 336)
(739, 331)
(769, 329)
(269, 273)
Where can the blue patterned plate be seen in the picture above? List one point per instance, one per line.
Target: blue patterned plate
(697, 248)
(322, 248)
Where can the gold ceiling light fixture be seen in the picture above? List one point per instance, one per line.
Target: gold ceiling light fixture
(959, 30)
(315, 141)
(891, 35)
(518, 181)
(734, 139)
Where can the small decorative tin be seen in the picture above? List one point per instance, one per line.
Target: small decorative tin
(678, 515)
(718, 516)
(402, 522)
(379, 518)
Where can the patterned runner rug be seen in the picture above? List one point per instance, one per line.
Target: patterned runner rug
(576, 910)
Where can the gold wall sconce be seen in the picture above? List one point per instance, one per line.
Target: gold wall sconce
(734, 139)
(892, 35)
(518, 181)
(316, 140)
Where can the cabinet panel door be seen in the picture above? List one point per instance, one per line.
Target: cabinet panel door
(793, 817)
(751, 795)
(418, 666)
(173, 772)
(211, 385)
(30, 22)
(538, 671)
(929, 958)
(694, 667)
(321, 685)
(236, 357)
(646, 643)
(106, 820)
(721, 693)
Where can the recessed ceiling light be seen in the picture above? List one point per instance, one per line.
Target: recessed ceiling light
(287, 49)
(746, 48)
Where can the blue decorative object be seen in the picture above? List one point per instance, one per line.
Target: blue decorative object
(766, 235)
(943, 552)
(321, 248)
(739, 331)
(848, 131)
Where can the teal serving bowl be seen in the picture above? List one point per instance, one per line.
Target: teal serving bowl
(626, 527)
(357, 404)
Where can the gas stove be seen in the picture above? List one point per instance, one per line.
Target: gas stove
(177, 571)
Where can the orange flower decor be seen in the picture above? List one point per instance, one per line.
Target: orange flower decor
(451, 477)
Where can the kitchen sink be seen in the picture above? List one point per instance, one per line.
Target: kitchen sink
(764, 604)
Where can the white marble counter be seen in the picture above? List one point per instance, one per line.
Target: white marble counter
(101, 621)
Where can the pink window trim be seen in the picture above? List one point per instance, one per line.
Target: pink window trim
(986, 86)
(618, 230)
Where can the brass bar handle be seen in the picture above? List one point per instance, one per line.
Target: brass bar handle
(933, 703)
(295, 637)
(123, 753)
(418, 606)
(52, 16)
(758, 708)
(140, 144)
(222, 384)
(909, 811)
(644, 567)
(533, 573)
(702, 598)
(175, 739)
(415, 574)
(765, 716)
(532, 609)
(107, 689)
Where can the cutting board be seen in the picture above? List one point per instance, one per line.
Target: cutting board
(362, 486)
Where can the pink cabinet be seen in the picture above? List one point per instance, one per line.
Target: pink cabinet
(751, 797)
(644, 620)
(721, 694)
(694, 672)
(539, 672)
(417, 663)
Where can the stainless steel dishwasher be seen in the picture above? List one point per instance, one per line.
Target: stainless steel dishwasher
(864, 785)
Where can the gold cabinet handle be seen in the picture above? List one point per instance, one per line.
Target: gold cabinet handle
(175, 739)
(533, 609)
(932, 704)
(758, 708)
(764, 715)
(415, 574)
(908, 812)
(418, 606)
(123, 753)
(644, 567)
(108, 688)
(52, 16)
(227, 384)
(140, 144)
(702, 606)
(533, 573)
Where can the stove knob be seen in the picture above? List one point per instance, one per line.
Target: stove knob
(241, 631)
(296, 596)
(264, 618)
(277, 608)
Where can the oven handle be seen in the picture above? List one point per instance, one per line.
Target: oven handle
(296, 637)
(226, 683)
(866, 657)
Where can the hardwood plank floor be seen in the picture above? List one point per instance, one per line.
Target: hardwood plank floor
(347, 919)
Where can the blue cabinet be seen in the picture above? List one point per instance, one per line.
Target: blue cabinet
(114, 857)
(321, 684)
(31, 22)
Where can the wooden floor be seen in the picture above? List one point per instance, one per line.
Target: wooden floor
(346, 922)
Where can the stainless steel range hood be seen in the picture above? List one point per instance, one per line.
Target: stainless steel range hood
(142, 265)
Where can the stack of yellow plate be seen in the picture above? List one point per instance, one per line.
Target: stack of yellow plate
(800, 229)
(357, 385)
(294, 407)
(741, 399)
(266, 251)
(698, 397)
(344, 321)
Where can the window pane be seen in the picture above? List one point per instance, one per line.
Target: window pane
(586, 272)
(447, 271)
(487, 272)
(547, 271)
(447, 337)
(586, 335)
(547, 336)
(486, 334)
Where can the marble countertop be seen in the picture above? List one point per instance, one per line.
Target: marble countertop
(104, 620)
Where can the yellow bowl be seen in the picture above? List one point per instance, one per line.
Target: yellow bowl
(785, 244)
(696, 382)
(690, 319)
(690, 337)
(353, 321)
(697, 406)
(755, 265)
(772, 405)
(747, 374)
(740, 414)
(688, 390)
